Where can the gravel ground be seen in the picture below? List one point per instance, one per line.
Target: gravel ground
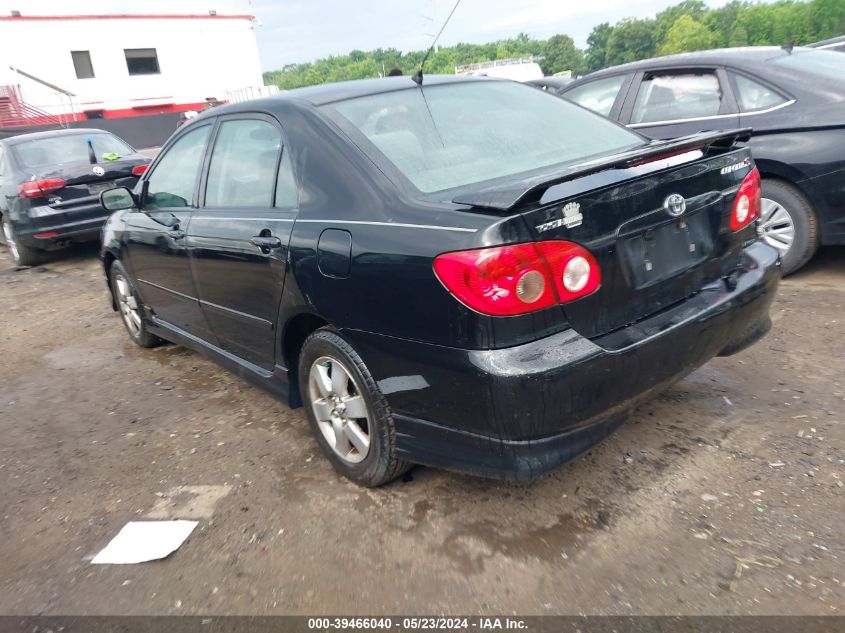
(723, 495)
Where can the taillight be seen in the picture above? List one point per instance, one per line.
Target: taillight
(139, 170)
(519, 278)
(746, 207)
(38, 188)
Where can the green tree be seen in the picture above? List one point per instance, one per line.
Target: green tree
(696, 9)
(631, 40)
(597, 46)
(686, 34)
(559, 54)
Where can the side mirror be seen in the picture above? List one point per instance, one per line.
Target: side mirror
(117, 199)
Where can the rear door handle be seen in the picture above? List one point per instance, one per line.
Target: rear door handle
(176, 234)
(266, 243)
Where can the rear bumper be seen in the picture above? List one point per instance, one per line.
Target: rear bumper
(78, 224)
(521, 411)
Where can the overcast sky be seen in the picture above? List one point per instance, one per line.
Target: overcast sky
(290, 31)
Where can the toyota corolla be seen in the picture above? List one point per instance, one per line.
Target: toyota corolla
(468, 273)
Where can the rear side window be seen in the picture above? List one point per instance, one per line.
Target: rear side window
(287, 192)
(243, 164)
(65, 149)
(447, 136)
(598, 96)
(173, 181)
(753, 95)
(671, 97)
(828, 64)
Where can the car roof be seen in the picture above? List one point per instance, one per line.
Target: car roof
(840, 39)
(23, 138)
(323, 94)
(749, 56)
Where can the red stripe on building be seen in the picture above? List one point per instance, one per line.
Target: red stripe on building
(125, 16)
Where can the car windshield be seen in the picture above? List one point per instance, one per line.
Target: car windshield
(73, 148)
(448, 136)
(828, 64)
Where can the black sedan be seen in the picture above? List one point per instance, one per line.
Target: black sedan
(438, 276)
(50, 185)
(791, 97)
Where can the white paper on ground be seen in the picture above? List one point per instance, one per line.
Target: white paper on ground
(142, 541)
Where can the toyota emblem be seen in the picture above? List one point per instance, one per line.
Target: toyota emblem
(98, 171)
(675, 205)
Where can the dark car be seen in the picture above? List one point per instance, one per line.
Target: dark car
(50, 184)
(550, 84)
(438, 277)
(792, 98)
(833, 44)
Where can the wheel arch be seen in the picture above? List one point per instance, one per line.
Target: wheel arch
(298, 328)
(109, 257)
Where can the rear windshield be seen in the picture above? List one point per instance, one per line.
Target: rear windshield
(60, 150)
(449, 136)
(829, 64)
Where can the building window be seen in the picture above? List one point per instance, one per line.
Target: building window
(82, 64)
(141, 61)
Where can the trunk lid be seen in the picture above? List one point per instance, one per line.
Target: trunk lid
(624, 214)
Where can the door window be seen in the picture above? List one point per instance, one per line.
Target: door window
(677, 96)
(242, 172)
(755, 96)
(598, 96)
(173, 181)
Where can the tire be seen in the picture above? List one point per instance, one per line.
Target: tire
(130, 308)
(21, 255)
(785, 207)
(332, 415)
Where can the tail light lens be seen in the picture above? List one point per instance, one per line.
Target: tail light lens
(519, 278)
(139, 170)
(38, 188)
(746, 207)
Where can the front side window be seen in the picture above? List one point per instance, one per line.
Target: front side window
(598, 96)
(141, 61)
(69, 148)
(671, 97)
(753, 95)
(453, 135)
(173, 181)
(242, 172)
(82, 64)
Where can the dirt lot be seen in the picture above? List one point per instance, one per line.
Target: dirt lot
(723, 495)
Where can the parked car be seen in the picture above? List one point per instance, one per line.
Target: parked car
(550, 84)
(792, 98)
(471, 274)
(51, 184)
(833, 44)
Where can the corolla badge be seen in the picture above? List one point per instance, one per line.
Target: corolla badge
(675, 205)
(98, 171)
(572, 217)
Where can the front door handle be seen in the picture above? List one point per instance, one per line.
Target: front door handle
(176, 234)
(266, 243)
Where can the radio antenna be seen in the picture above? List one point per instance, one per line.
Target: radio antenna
(418, 76)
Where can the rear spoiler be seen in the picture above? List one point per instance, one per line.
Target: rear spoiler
(508, 196)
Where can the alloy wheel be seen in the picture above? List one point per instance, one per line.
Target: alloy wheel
(775, 225)
(128, 306)
(340, 409)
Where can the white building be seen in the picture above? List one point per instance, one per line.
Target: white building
(116, 66)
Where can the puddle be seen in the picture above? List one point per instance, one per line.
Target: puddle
(188, 502)
(471, 545)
